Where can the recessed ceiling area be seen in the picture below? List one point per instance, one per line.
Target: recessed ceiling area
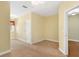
(44, 8)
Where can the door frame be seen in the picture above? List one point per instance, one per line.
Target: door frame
(66, 29)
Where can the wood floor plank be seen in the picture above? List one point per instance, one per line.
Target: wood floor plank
(73, 49)
(41, 49)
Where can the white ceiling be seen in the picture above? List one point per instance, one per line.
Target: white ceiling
(16, 8)
(45, 9)
(74, 11)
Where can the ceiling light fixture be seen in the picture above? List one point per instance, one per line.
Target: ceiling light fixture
(37, 2)
(73, 14)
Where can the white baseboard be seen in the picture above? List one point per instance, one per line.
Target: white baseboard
(62, 51)
(24, 41)
(52, 40)
(21, 40)
(37, 41)
(5, 52)
(43, 40)
(74, 40)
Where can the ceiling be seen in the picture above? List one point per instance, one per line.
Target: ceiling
(74, 11)
(45, 9)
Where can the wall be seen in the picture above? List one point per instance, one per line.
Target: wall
(63, 7)
(23, 27)
(51, 28)
(37, 27)
(4, 26)
(73, 22)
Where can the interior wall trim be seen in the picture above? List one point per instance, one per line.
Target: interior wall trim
(5, 52)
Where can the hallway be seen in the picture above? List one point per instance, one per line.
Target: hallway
(43, 49)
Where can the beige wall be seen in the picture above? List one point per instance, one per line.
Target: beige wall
(51, 28)
(44, 28)
(41, 27)
(4, 26)
(29, 27)
(63, 7)
(37, 28)
(23, 27)
(73, 22)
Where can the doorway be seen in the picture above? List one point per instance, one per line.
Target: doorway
(12, 29)
(12, 32)
(71, 28)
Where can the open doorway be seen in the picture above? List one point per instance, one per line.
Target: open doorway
(71, 31)
(12, 31)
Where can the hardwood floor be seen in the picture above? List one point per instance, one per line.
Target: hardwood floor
(73, 49)
(48, 44)
(41, 49)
